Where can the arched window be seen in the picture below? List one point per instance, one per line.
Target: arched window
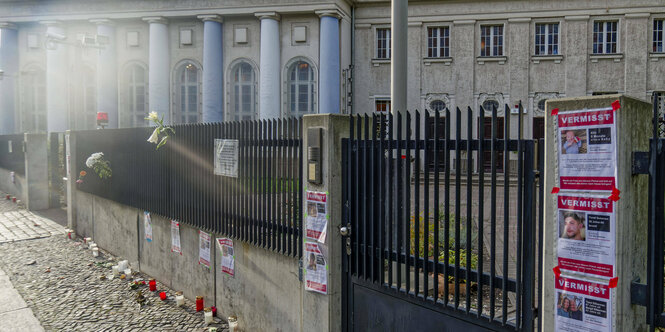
(187, 103)
(490, 104)
(243, 92)
(301, 89)
(136, 101)
(34, 99)
(437, 105)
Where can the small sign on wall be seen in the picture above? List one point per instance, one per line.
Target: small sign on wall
(226, 157)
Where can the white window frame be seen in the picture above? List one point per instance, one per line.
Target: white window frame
(33, 92)
(383, 100)
(547, 34)
(492, 36)
(604, 45)
(654, 39)
(130, 98)
(233, 98)
(435, 51)
(388, 41)
(312, 86)
(179, 113)
(89, 84)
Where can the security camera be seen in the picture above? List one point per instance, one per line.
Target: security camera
(55, 36)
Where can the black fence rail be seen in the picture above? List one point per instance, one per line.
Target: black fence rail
(262, 205)
(465, 243)
(12, 157)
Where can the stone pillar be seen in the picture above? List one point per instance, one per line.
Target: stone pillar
(329, 64)
(71, 173)
(36, 172)
(9, 71)
(637, 27)
(57, 118)
(399, 45)
(213, 69)
(107, 73)
(159, 68)
(633, 128)
(577, 55)
(270, 67)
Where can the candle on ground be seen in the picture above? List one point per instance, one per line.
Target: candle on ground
(162, 296)
(152, 284)
(179, 299)
(207, 315)
(199, 303)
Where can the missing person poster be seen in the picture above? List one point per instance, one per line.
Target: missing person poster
(228, 255)
(204, 249)
(582, 306)
(147, 226)
(175, 237)
(586, 234)
(587, 150)
(316, 276)
(317, 216)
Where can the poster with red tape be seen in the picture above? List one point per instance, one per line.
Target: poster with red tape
(587, 149)
(582, 305)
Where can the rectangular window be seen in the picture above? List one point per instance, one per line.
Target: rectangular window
(383, 43)
(382, 106)
(438, 42)
(491, 40)
(658, 36)
(547, 39)
(605, 37)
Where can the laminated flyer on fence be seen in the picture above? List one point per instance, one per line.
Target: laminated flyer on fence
(582, 306)
(316, 276)
(175, 237)
(587, 150)
(586, 234)
(147, 226)
(228, 255)
(317, 216)
(204, 248)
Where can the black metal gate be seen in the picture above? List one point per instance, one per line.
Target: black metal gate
(56, 170)
(436, 248)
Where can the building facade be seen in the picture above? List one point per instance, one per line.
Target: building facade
(192, 61)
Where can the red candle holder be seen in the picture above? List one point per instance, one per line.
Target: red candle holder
(8, 197)
(14, 199)
(199, 303)
(162, 296)
(214, 310)
(152, 284)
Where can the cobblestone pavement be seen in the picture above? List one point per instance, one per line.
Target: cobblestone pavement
(22, 224)
(61, 282)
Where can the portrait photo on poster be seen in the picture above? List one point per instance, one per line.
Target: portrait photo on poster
(570, 306)
(574, 141)
(572, 225)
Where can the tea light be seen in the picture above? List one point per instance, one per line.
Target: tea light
(8, 197)
(95, 252)
(162, 295)
(152, 284)
(87, 239)
(199, 303)
(207, 315)
(14, 199)
(179, 299)
(233, 323)
(92, 245)
(115, 270)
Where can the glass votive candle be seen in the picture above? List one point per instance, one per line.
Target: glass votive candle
(233, 323)
(115, 270)
(162, 296)
(179, 299)
(128, 272)
(152, 284)
(199, 303)
(207, 315)
(95, 252)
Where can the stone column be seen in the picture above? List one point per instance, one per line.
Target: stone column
(329, 65)
(577, 55)
(107, 73)
(399, 45)
(36, 192)
(9, 71)
(57, 118)
(637, 27)
(213, 71)
(159, 68)
(269, 72)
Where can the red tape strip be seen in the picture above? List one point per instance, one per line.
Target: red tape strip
(555, 111)
(616, 191)
(555, 190)
(616, 105)
(557, 271)
(614, 198)
(614, 282)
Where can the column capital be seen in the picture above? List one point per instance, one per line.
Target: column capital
(271, 15)
(102, 21)
(214, 18)
(52, 23)
(329, 12)
(155, 19)
(7, 25)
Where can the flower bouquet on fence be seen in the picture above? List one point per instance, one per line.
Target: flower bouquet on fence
(161, 134)
(101, 166)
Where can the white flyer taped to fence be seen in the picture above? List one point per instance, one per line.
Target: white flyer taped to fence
(226, 157)
(228, 255)
(582, 305)
(175, 237)
(587, 150)
(586, 237)
(204, 248)
(316, 269)
(147, 226)
(317, 216)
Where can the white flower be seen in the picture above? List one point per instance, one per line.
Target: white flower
(93, 159)
(154, 138)
(152, 116)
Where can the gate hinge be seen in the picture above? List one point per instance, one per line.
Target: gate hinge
(638, 293)
(641, 162)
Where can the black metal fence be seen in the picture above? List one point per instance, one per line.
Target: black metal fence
(262, 205)
(12, 157)
(464, 243)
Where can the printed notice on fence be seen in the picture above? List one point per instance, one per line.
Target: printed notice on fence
(316, 276)
(228, 255)
(317, 216)
(175, 237)
(204, 249)
(586, 234)
(582, 306)
(587, 150)
(147, 226)
(226, 157)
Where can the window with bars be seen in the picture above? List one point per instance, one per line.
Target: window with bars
(243, 92)
(383, 43)
(491, 40)
(301, 87)
(187, 93)
(658, 36)
(605, 37)
(382, 105)
(547, 39)
(136, 98)
(438, 42)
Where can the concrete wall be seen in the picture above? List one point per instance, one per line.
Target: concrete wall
(16, 188)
